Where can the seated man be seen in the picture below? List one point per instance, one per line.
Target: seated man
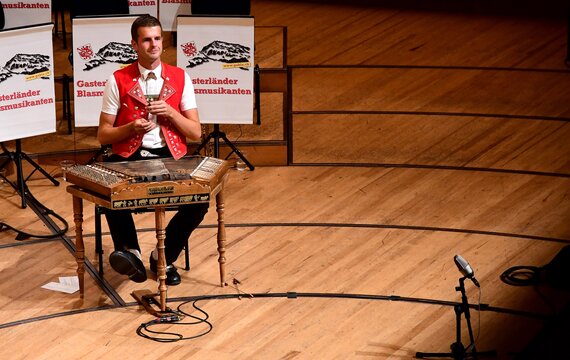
(140, 129)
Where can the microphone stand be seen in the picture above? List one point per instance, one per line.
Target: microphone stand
(458, 350)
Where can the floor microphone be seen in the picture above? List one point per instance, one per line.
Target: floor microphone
(465, 269)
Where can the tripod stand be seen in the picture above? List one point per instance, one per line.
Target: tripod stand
(216, 135)
(17, 157)
(458, 351)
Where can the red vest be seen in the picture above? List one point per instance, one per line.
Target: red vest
(133, 104)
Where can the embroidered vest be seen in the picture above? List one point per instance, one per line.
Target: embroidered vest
(133, 104)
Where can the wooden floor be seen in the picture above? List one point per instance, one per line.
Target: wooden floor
(367, 249)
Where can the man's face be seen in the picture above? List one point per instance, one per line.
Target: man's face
(149, 44)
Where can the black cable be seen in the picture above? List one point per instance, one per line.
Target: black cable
(527, 276)
(471, 346)
(173, 318)
(23, 235)
(521, 275)
(145, 327)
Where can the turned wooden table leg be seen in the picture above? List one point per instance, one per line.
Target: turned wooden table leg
(220, 206)
(79, 246)
(161, 263)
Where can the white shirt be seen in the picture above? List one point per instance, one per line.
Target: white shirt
(111, 101)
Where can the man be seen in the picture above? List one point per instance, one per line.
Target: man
(139, 129)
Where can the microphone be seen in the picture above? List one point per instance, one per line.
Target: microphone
(465, 269)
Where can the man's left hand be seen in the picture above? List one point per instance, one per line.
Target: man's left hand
(160, 108)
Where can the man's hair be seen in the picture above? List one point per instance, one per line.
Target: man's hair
(143, 21)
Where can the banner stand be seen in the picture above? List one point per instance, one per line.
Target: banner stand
(16, 157)
(217, 52)
(27, 103)
(216, 135)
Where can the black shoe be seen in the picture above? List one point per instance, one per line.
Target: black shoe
(172, 276)
(127, 263)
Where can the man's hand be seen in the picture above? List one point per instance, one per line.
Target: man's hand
(142, 126)
(187, 122)
(160, 107)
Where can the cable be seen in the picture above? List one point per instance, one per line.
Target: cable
(173, 318)
(472, 345)
(145, 327)
(521, 275)
(23, 235)
(527, 276)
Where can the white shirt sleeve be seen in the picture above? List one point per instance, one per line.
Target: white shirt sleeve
(188, 100)
(111, 100)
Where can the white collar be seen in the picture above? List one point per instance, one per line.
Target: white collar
(144, 71)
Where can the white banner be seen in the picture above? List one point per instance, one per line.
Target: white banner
(100, 46)
(26, 12)
(170, 9)
(27, 94)
(217, 53)
(140, 7)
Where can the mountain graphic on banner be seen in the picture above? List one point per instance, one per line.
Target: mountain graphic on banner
(221, 51)
(114, 52)
(26, 64)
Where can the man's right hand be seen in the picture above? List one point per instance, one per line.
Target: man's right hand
(142, 126)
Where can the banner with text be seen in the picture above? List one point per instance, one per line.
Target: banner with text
(100, 47)
(139, 7)
(217, 53)
(170, 9)
(26, 12)
(27, 94)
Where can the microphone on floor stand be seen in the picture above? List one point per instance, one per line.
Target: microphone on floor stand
(465, 269)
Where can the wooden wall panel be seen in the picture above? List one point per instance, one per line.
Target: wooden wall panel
(449, 90)
(514, 144)
(272, 118)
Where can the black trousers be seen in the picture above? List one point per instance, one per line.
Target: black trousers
(178, 231)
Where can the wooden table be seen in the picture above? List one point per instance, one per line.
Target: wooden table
(79, 194)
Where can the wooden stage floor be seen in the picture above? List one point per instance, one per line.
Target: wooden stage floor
(325, 233)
